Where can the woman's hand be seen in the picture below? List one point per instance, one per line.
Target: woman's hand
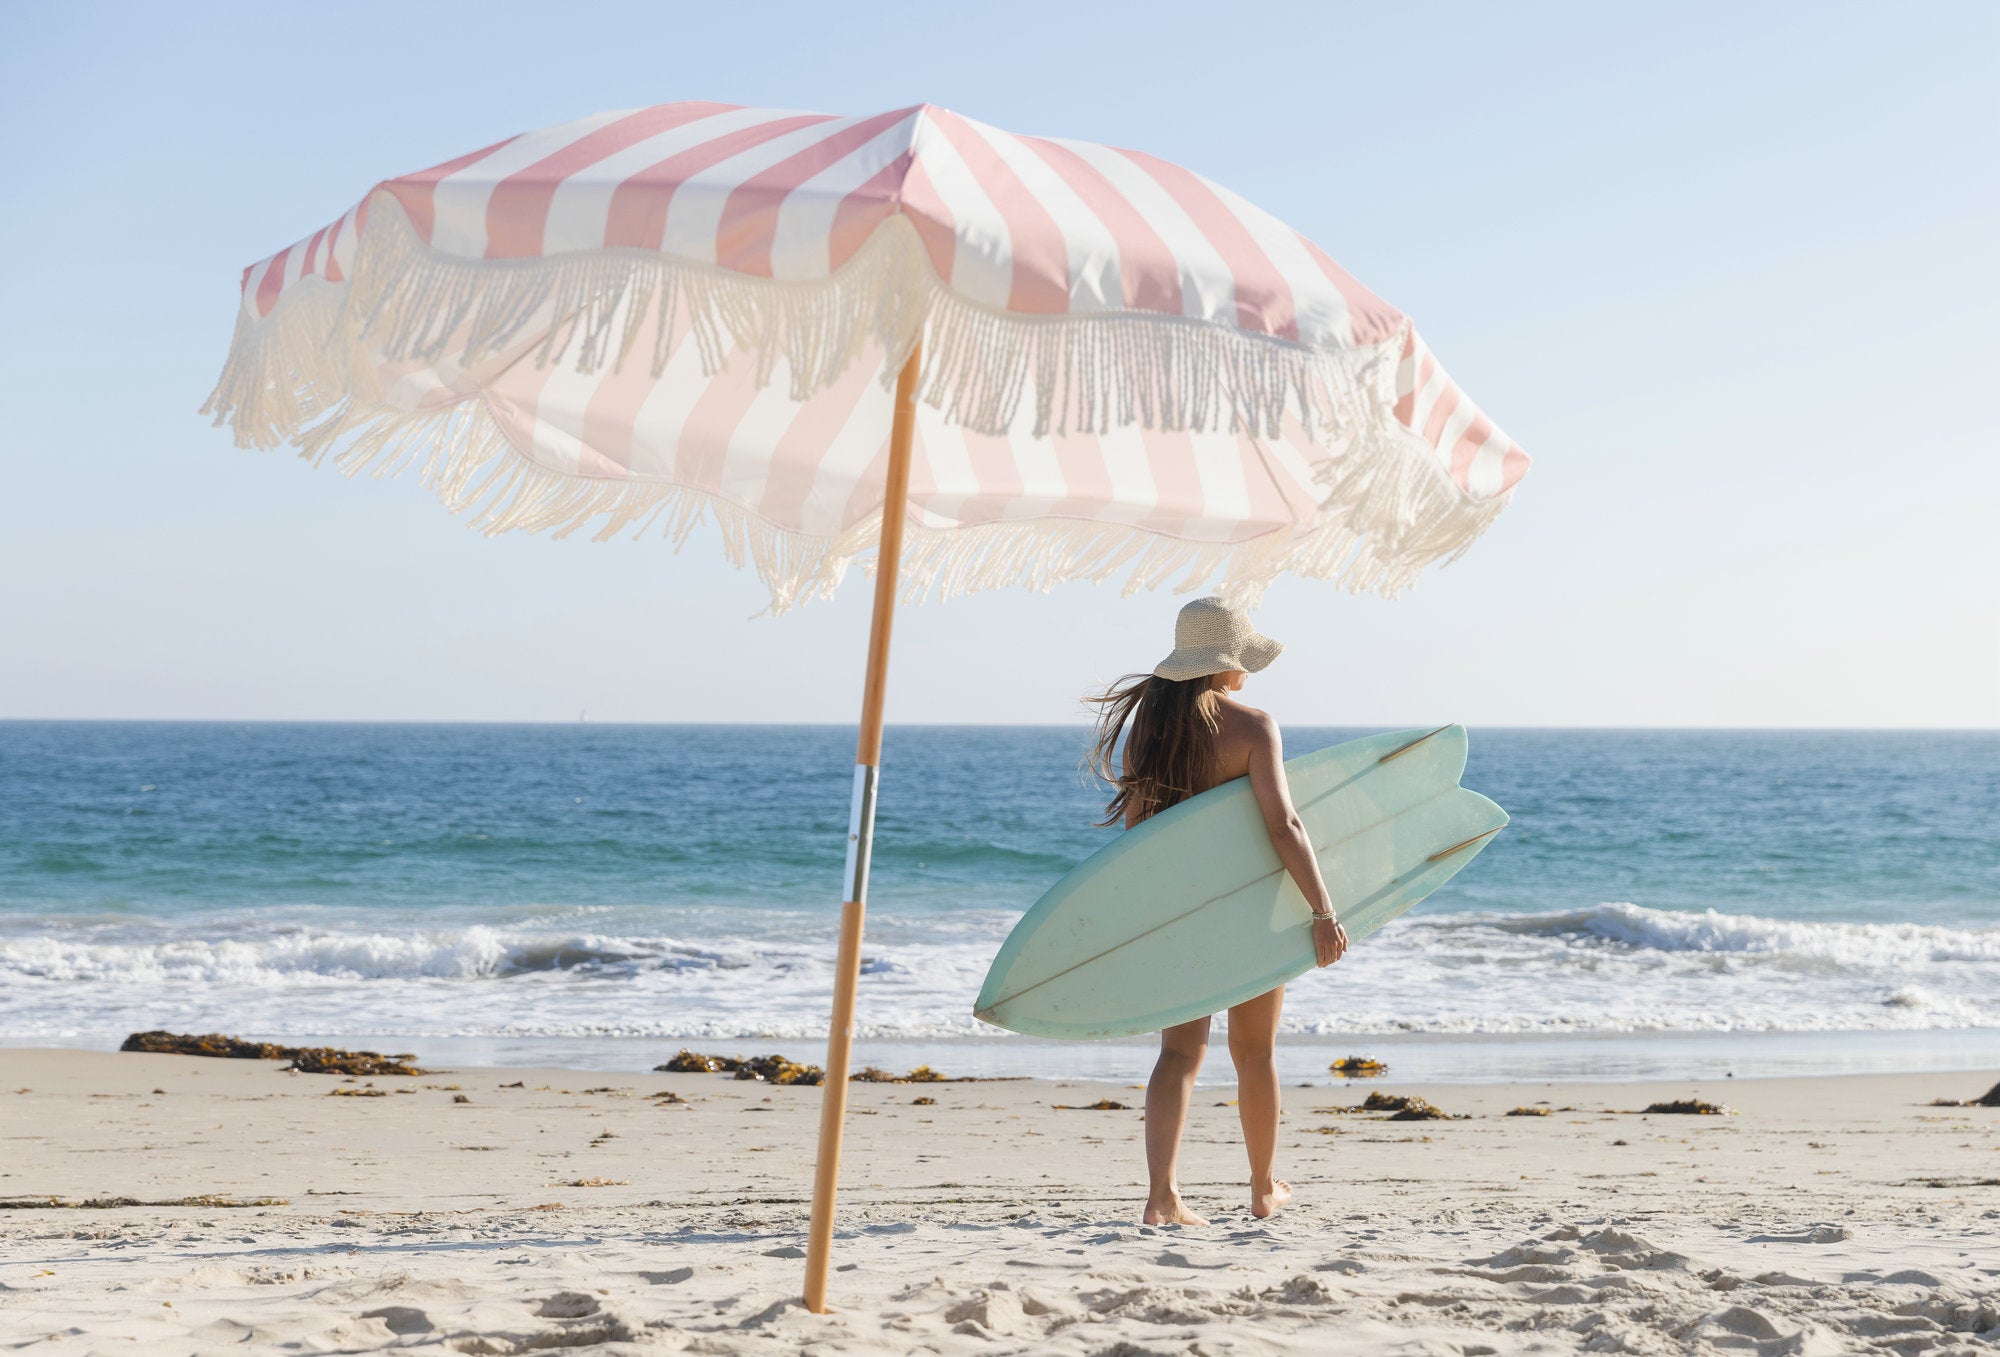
(1329, 939)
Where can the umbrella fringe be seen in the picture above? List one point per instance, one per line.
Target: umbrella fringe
(1094, 374)
(1391, 513)
(1395, 516)
(289, 370)
(406, 303)
(311, 372)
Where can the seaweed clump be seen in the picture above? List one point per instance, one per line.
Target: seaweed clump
(1419, 1109)
(778, 1070)
(1692, 1107)
(1406, 1107)
(1528, 1112)
(922, 1074)
(775, 1069)
(305, 1059)
(332, 1060)
(209, 1044)
(1358, 1067)
(1991, 1098)
(210, 1200)
(1101, 1105)
(688, 1062)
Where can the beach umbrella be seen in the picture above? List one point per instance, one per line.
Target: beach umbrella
(960, 357)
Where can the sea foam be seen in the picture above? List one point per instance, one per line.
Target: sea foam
(1713, 931)
(1615, 967)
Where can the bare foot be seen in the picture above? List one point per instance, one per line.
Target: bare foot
(1170, 1210)
(1267, 1202)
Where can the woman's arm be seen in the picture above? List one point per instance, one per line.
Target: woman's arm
(1288, 834)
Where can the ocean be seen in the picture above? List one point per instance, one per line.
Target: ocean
(1665, 903)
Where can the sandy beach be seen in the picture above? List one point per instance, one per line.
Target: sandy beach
(515, 1210)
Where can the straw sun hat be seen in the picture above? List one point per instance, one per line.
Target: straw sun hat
(1210, 637)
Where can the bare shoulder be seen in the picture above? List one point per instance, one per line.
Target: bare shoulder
(1249, 727)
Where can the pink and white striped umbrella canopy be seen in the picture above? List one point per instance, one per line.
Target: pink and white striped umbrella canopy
(697, 310)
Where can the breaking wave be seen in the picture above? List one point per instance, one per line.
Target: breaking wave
(1614, 967)
(1712, 931)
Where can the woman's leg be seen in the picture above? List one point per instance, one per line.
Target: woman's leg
(1167, 1096)
(1253, 1045)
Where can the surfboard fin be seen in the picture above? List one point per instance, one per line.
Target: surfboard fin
(1399, 752)
(1444, 853)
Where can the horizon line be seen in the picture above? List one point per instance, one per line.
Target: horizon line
(945, 725)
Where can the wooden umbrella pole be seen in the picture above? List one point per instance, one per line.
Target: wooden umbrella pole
(860, 837)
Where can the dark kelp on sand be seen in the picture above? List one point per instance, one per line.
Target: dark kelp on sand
(1991, 1098)
(305, 1059)
(774, 1069)
(922, 1074)
(777, 1069)
(1358, 1067)
(207, 1199)
(1400, 1107)
(1422, 1109)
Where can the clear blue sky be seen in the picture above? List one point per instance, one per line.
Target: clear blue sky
(1727, 271)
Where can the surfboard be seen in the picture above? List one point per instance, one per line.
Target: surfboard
(1192, 911)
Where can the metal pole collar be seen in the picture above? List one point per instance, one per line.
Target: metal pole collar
(860, 833)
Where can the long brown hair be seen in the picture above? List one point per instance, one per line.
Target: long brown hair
(1170, 746)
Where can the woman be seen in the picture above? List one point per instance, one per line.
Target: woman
(1184, 734)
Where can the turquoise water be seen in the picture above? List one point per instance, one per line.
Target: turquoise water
(509, 892)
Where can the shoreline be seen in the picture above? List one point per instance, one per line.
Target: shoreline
(506, 1210)
(1456, 1058)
